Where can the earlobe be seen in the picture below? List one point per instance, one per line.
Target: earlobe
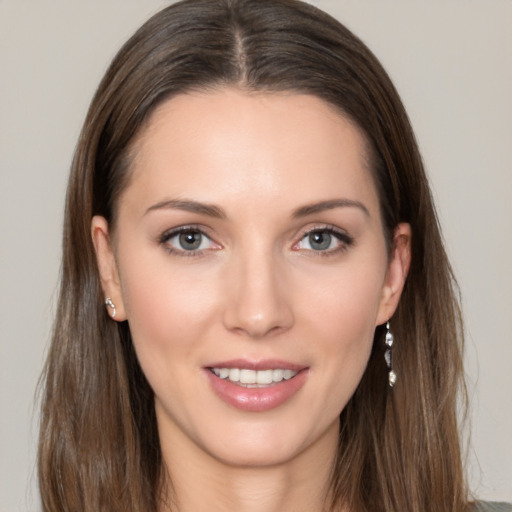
(107, 267)
(397, 271)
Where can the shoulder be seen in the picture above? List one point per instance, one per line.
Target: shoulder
(490, 506)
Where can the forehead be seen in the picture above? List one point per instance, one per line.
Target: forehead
(229, 143)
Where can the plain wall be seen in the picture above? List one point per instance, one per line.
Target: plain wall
(451, 62)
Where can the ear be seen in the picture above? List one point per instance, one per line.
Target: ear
(396, 274)
(107, 266)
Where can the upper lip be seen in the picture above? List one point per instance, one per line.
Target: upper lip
(263, 364)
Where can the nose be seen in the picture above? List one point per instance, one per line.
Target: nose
(258, 297)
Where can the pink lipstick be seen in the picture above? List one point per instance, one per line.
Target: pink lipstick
(256, 386)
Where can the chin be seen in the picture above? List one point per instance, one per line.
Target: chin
(269, 445)
(243, 456)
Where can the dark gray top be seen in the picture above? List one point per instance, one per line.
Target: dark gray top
(491, 506)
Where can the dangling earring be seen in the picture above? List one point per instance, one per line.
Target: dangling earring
(388, 357)
(109, 303)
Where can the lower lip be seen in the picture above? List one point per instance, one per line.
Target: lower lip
(256, 399)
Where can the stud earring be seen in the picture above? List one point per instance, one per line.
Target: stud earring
(388, 357)
(110, 304)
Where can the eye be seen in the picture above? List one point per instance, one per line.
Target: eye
(325, 240)
(187, 240)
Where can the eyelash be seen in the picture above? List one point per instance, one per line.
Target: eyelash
(345, 241)
(168, 235)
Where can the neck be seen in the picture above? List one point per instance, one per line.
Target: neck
(202, 483)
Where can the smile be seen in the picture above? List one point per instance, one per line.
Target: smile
(254, 378)
(256, 386)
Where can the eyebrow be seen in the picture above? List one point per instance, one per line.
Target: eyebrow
(330, 204)
(211, 210)
(189, 205)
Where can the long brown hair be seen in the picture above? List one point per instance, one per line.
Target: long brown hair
(399, 449)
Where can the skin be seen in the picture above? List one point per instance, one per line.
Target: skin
(256, 289)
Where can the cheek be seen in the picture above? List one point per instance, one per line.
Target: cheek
(345, 300)
(342, 317)
(168, 309)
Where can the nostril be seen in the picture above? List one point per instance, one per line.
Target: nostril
(258, 325)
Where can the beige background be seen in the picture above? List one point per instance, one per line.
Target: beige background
(452, 63)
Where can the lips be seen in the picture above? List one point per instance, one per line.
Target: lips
(256, 387)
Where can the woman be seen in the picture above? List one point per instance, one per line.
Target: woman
(256, 309)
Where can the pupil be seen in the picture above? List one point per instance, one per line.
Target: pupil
(320, 240)
(190, 241)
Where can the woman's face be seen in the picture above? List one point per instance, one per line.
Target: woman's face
(249, 260)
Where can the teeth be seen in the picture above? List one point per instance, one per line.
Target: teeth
(234, 374)
(253, 377)
(277, 375)
(246, 377)
(265, 376)
(288, 374)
